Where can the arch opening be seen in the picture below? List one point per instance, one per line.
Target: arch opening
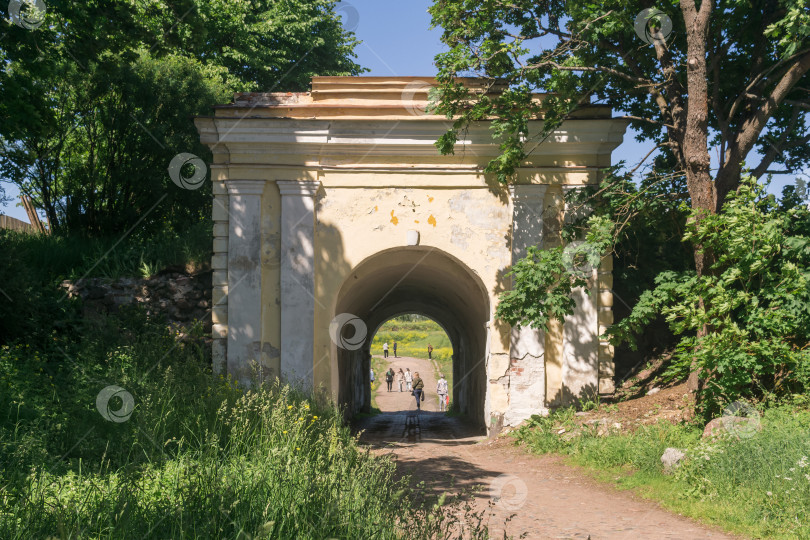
(409, 342)
(425, 281)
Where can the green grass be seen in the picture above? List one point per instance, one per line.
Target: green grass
(380, 366)
(412, 339)
(757, 486)
(199, 457)
(54, 258)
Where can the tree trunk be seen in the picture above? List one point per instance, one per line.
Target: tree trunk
(695, 138)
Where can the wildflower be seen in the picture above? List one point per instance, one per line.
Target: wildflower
(314, 417)
(284, 432)
(289, 407)
(792, 469)
(769, 494)
(788, 479)
(802, 462)
(807, 476)
(297, 448)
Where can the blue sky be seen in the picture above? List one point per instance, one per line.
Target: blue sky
(397, 40)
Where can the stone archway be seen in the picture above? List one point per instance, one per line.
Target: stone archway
(421, 280)
(323, 202)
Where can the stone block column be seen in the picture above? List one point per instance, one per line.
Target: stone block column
(297, 280)
(605, 298)
(527, 380)
(219, 279)
(244, 277)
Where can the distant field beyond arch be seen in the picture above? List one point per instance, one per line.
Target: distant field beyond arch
(412, 333)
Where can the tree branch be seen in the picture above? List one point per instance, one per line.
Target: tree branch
(750, 130)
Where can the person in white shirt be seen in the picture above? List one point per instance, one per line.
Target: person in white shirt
(385, 349)
(441, 389)
(409, 379)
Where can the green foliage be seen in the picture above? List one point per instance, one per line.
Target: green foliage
(650, 220)
(757, 486)
(198, 457)
(755, 301)
(33, 307)
(544, 279)
(582, 53)
(100, 98)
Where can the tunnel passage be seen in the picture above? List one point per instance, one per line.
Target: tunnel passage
(429, 282)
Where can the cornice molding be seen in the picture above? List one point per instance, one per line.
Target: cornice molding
(301, 188)
(238, 186)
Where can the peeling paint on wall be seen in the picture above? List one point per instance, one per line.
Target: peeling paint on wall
(394, 219)
(432, 220)
(460, 236)
(479, 211)
(270, 351)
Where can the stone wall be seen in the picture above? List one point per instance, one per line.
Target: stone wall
(179, 298)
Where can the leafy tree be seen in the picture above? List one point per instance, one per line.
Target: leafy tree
(100, 166)
(756, 299)
(98, 99)
(731, 77)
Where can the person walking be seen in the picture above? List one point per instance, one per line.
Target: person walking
(418, 390)
(400, 378)
(395, 349)
(372, 375)
(409, 379)
(389, 377)
(441, 389)
(385, 349)
(430, 351)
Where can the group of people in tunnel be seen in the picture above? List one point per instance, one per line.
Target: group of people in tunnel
(416, 386)
(402, 377)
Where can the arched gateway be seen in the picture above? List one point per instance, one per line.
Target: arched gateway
(336, 201)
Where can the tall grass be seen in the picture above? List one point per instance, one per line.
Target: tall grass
(757, 486)
(54, 258)
(198, 458)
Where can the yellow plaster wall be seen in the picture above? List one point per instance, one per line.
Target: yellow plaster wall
(353, 223)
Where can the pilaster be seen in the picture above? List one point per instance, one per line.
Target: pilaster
(527, 383)
(244, 277)
(297, 280)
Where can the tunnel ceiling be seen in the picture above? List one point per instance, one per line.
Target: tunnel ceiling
(420, 280)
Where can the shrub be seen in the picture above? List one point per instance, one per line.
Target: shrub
(752, 306)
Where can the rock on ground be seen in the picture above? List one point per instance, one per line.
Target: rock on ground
(671, 459)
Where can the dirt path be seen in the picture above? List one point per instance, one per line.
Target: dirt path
(548, 498)
(399, 401)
